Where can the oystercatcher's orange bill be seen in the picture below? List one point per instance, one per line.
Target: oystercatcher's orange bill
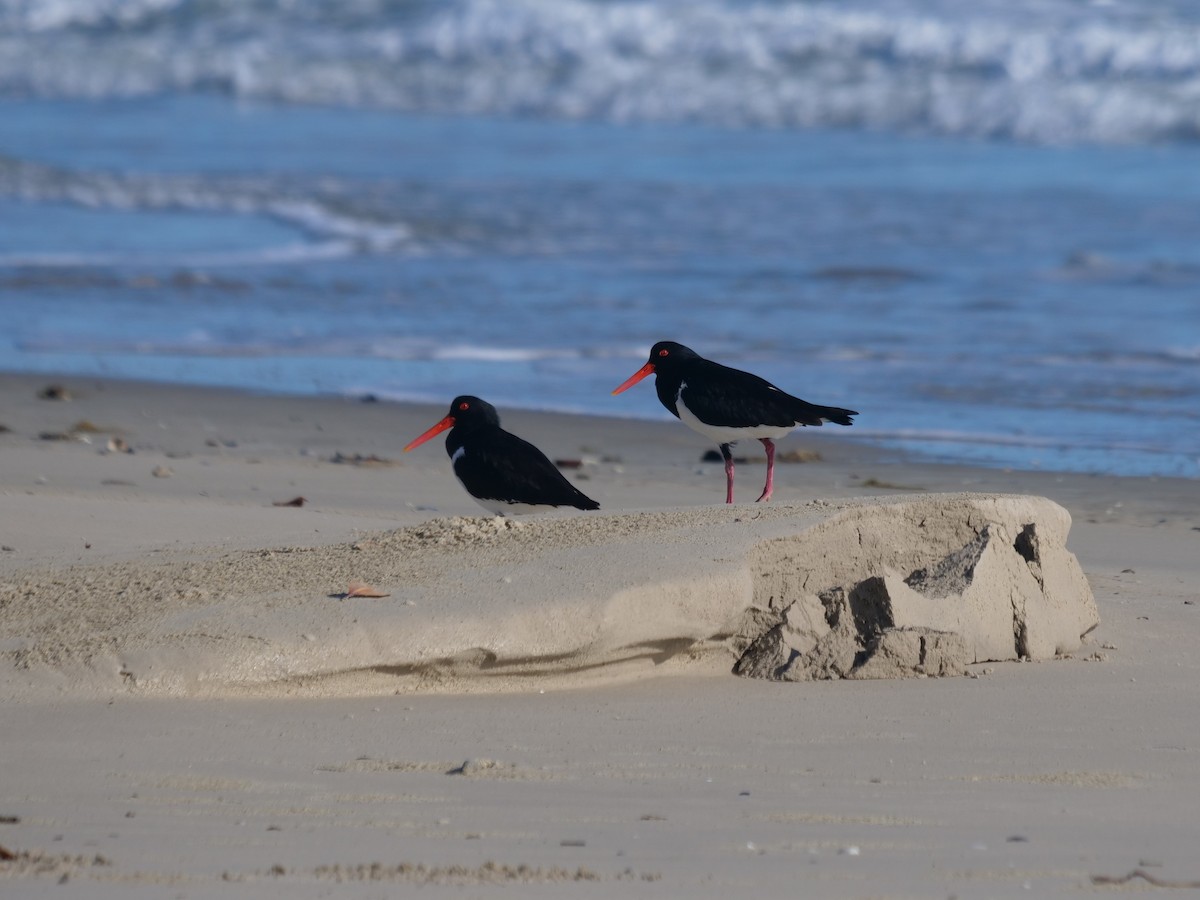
(441, 426)
(647, 369)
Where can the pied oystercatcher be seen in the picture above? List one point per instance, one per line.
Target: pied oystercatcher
(504, 473)
(728, 404)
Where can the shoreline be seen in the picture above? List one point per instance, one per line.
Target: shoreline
(669, 774)
(882, 447)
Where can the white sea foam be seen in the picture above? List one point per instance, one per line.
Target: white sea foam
(283, 253)
(1055, 71)
(208, 343)
(331, 217)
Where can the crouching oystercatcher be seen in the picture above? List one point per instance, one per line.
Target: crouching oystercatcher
(505, 474)
(728, 404)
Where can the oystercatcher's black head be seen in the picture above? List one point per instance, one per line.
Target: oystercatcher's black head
(467, 413)
(665, 356)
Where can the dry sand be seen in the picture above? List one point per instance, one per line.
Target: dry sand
(192, 710)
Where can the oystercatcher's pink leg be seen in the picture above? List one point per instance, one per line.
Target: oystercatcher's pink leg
(770, 485)
(728, 454)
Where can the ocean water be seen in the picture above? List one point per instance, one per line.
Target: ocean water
(977, 224)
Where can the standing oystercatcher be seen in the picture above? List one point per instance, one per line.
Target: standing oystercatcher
(504, 473)
(728, 404)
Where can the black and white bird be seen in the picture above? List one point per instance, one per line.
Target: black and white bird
(727, 404)
(505, 474)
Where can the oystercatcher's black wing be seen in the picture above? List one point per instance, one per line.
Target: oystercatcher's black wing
(730, 398)
(497, 465)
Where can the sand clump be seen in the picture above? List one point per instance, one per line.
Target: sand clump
(876, 588)
(918, 588)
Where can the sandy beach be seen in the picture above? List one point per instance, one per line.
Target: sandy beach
(193, 707)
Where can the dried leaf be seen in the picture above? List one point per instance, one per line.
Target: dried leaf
(362, 589)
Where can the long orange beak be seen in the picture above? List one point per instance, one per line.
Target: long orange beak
(441, 426)
(647, 369)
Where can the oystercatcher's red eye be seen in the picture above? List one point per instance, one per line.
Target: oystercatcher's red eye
(464, 406)
(664, 352)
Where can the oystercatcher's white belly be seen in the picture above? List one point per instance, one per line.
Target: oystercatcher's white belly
(725, 434)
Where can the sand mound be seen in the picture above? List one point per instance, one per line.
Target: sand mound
(879, 588)
(923, 587)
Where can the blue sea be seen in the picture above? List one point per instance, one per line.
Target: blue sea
(976, 223)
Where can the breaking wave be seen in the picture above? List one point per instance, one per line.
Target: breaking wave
(1045, 72)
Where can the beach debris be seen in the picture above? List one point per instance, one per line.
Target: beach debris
(215, 442)
(585, 461)
(295, 501)
(490, 872)
(81, 431)
(486, 768)
(4, 429)
(54, 392)
(888, 485)
(118, 445)
(359, 459)
(709, 456)
(1145, 876)
(162, 472)
(362, 589)
(6, 855)
(798, 456)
